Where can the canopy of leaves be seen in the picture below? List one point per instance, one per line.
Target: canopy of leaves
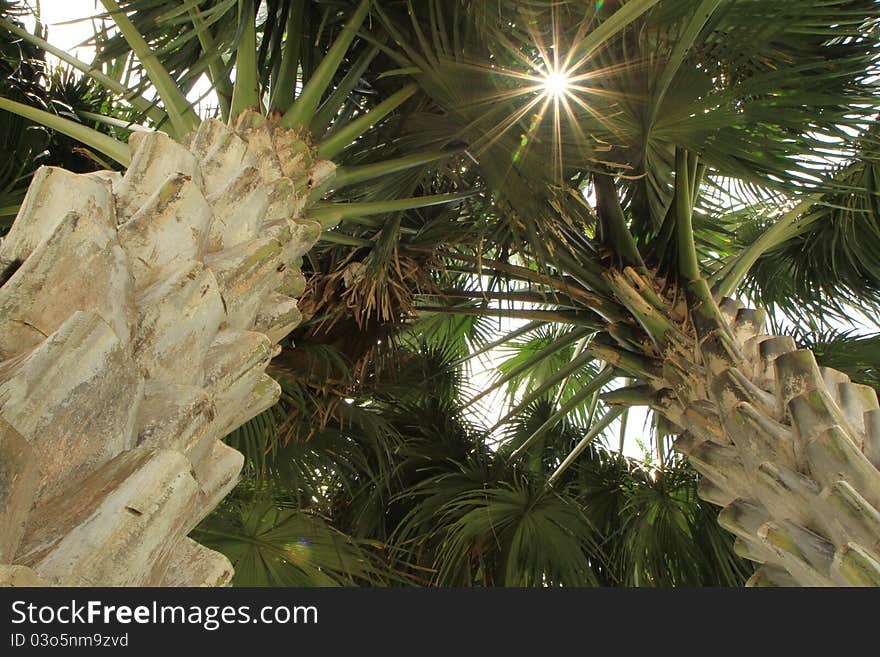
(742, 124)
(413, 494)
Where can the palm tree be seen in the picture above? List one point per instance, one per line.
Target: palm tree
(140, 311)
(716, 138)
(729, 149)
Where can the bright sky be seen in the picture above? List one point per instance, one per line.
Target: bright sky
(58, 14)
(71, 24)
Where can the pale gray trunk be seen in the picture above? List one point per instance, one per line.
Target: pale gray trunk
(790, 450)
(135, 333)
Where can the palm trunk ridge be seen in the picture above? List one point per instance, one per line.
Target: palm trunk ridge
(136, 324)
(789, 449)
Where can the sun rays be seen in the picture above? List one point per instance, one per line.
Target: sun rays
(559, 93)
(549, 92)
(556, 83)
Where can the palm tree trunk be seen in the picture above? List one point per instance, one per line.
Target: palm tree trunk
(789, 449)
(136, 324)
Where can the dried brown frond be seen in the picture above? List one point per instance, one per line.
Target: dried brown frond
(356, 308)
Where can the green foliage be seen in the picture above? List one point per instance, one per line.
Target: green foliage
(270, 545)
(857, 356)
(409, 490)
(25, 78)
(770, 123)
(663, 535)
(515, 535)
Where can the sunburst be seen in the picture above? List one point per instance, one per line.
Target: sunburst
(556, 84)
(553, 87)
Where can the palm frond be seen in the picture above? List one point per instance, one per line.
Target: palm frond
(270, 545)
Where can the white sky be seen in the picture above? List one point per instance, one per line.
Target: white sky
(70, 25)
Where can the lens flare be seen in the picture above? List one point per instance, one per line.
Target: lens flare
(299, 551)
(556, 83)
(557, 91)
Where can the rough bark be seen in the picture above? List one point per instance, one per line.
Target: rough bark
(136, 324)
(789, 449)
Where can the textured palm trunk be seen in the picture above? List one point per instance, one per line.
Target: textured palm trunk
(789, 449)
(136, 324)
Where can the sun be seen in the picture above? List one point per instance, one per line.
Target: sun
(556, 84)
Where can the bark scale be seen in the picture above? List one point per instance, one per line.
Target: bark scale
(789, 449)
(137, 318)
